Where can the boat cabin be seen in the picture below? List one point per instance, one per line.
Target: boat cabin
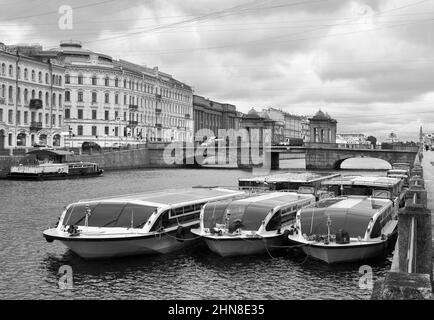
(376, 186)
(272, 210)
(150, 211)
(352, 216)
(302, 182)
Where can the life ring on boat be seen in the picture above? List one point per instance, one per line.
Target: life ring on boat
(180, 233)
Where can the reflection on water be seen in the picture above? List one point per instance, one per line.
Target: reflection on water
(29, 265)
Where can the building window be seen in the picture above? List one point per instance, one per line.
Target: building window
(80, 114)
(80, 79)
(10, 115)
(93, 114)
(116, 115)
(94, 131)
(18, 117)
(67, 96)
(60, 120)
(3, 69)
(79, 130)
(11, 71)
(47, 119)
(26, 117)
(94, 81)
(125, 116)
(106, 115)
(67, 113)
(116, 82)
(107, 81)
(80, 96)
(116, 131)
(67, 79)
(116, 98)
(106, 131)
(47, 78)
(11, 94)
(94, 96)
(53, 120)
(107, 98)
(33, 75)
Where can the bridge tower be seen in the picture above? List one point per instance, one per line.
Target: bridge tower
(322, 128)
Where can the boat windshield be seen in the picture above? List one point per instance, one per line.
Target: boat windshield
(247, 216)
(109, 215)
(354, 219)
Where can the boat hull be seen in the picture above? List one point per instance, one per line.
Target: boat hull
(242, 246)
(129, 246)
(344, 253)
(51, 176)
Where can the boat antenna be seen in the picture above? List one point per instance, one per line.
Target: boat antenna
(132, 218)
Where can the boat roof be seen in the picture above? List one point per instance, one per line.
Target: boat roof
(172, 197)
(351, 213)
(376, 181)
(301, 177)
(50, 152)
(271, 200)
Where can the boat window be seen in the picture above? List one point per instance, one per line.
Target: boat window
(109, 215)
(357, 190)
(163, 221)
(380, 223)
(253, 216)
(214, 213)
(275, 222)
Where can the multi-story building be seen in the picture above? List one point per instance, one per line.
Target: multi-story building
(31, 97)
(214, 115)
(112, 101)
(295, 126)
(354, 138)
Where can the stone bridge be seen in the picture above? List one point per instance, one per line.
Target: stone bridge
(330, 156)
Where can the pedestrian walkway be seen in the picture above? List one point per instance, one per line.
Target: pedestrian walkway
(428, 175)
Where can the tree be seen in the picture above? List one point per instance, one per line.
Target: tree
(393, 136)
(372, 140)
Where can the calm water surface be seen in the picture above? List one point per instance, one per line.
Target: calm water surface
(29, 265)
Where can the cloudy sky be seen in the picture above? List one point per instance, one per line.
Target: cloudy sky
(368, 63)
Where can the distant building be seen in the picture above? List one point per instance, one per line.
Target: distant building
(31, 97)
(252, 120)
(322, 128)
(353, 138)
(110, 101)
(295, 126)
(212, 115)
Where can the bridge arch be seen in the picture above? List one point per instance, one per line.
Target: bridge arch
(374, 163)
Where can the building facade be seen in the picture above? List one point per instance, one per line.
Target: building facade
(31, 97)
(322, 128)
(214, 115)
(294, 126)
(253, 121)
(115, 102)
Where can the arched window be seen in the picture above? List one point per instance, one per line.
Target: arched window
(47, 99)
(26, 96)
(60, 100)
(107, 81)
(67, 79)
(3, 69)
(11, 94)
(107, 97)
(40, 95)
(47, 78)
(60, 80)
(116, 82)
(3, 92)
(19, 73)
(67, 96)
(94, 81)
(33, 94)
(19, 95)
(33, 75)
(40, 77)
(80, 79)
(11, 71)
(26, 74)
(54, 99)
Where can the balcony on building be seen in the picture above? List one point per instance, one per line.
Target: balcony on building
(133, 107)
(35, 104)
(35, 126)
(133, 123)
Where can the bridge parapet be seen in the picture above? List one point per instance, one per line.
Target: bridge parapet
(411, 273)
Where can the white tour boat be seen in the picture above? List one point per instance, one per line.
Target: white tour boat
(372, 186)
(148, 223)
(344, 229)
(251, 225)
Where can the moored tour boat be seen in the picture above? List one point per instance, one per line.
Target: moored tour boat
(147, 223)
(50, 164)
(302, 182)
(344, 229)
(251, 225)
(372, 186)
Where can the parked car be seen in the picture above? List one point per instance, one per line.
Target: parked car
(90, 146)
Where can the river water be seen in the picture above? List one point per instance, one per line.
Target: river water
(29, 265)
